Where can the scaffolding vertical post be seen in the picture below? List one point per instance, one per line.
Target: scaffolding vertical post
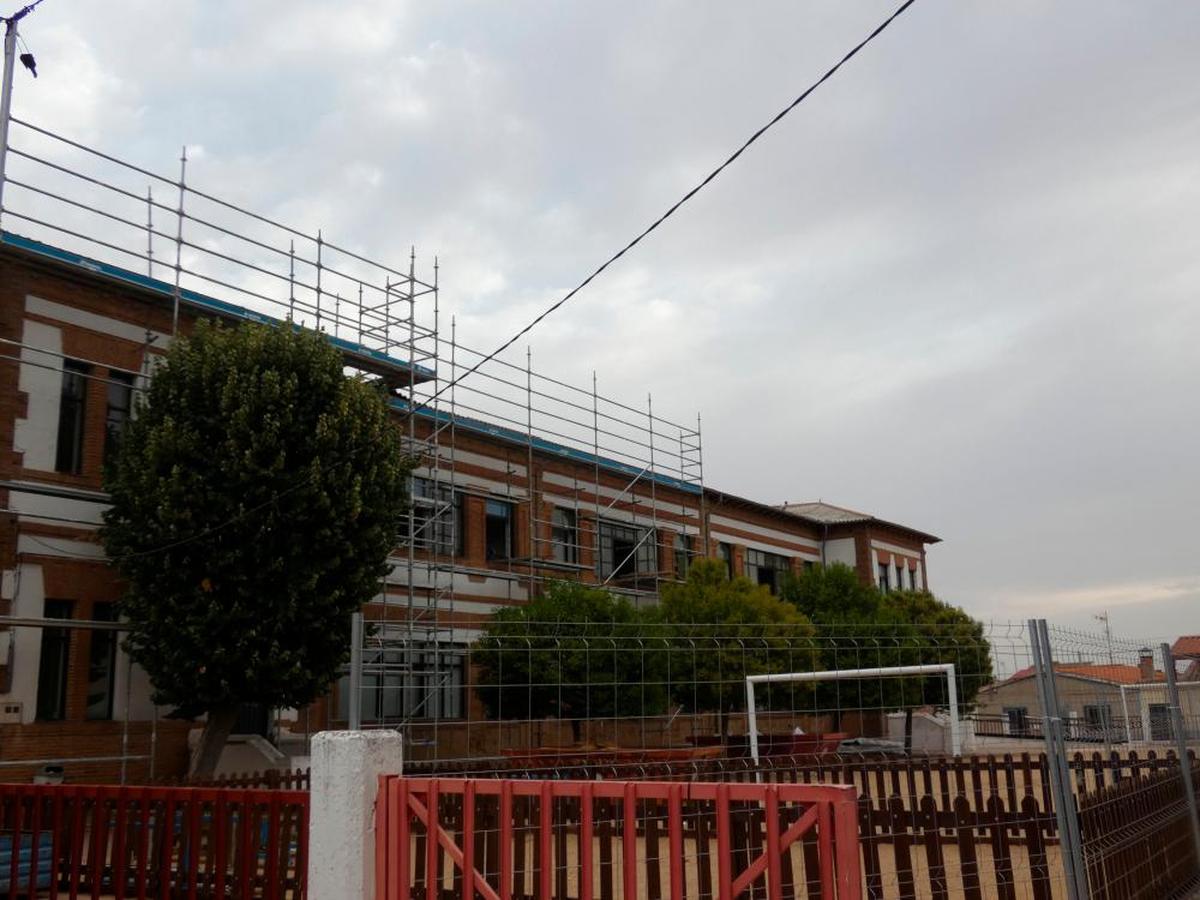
(529, 481)
(653, 496)
(179, 242)
(320, 245)
(10, 56)
(149, 231)
(1181, 748)
(356, 671)
(292, 284)
(597, 558)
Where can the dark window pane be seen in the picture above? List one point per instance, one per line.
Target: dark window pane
(498, 530)
(625, 552)
(102, 665)
(119, 408)
(884, 581)
(52, 670)
(71, 415)
(766, 568)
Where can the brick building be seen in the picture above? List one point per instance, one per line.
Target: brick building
(522, 478)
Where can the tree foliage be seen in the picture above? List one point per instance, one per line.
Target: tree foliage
(256, 496)
(721, 629)
(574, 653)
(862, 627)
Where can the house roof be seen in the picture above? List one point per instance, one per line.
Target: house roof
(1116, 674)
(1186, 647)
(828, 514)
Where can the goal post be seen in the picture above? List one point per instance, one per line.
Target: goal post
(946, 669)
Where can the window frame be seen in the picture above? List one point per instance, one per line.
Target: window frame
(71, 435)
(564, 535)
(112, 436)
(756, 562)
(681, 548)
(490, 507)
(437, 517)
(102, 642)
(644, 560)
(59, 639)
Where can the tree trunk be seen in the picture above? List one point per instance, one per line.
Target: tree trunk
(908, 728)
(217, 727)
(576, 732)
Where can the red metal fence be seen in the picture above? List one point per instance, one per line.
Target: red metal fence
(84, 840)
(502, 839)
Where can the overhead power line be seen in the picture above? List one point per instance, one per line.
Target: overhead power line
(674, 207)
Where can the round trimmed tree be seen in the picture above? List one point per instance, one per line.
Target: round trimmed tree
(256, 495)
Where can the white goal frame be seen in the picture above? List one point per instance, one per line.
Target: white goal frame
(946, 669)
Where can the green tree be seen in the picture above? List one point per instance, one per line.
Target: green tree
(255, 498)
(721, 629)
(859, 626)
(575, 653)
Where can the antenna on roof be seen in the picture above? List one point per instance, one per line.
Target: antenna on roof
(1103, 617)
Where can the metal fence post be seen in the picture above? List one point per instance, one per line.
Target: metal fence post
(1185, 765)
(1075, 875)
(354, 714)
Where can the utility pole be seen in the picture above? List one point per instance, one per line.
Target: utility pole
(10, 58)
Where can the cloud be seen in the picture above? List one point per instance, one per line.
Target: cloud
(957, 287)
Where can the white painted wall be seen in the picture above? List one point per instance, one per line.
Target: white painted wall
(840, 550)
(346, 766)
(29, 600)
(41, 379)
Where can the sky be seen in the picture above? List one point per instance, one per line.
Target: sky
(956, 288)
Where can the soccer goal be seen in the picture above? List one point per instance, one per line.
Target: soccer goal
(946, 669)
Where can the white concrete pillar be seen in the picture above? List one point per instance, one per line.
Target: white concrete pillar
(345, 770)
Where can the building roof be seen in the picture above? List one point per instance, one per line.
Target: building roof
(1186, 646)
(828, 514)
(1115, 674)
(821, 511)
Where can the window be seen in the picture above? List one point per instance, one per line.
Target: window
(423, 682)
(625, 551)
(118, 410)
(1018, 719)
(725, 554)
(71, 414)
(1098, 718)
(1160, 722)
(564, 536)
(766, 568)
(498, 530)
(436, 518)
(681, 550)
(912, 579)
(809, 565)
(102, 665)
(884, 579)
(52, 670)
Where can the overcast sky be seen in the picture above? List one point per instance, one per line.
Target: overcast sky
(957, 288)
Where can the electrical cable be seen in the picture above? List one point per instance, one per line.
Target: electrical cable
(674, 208)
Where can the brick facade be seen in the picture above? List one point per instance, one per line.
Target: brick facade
(115, 328)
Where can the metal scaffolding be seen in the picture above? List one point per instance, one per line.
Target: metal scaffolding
(630, 469)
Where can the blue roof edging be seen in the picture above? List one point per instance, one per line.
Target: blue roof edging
(194, 298)
(480, 427)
